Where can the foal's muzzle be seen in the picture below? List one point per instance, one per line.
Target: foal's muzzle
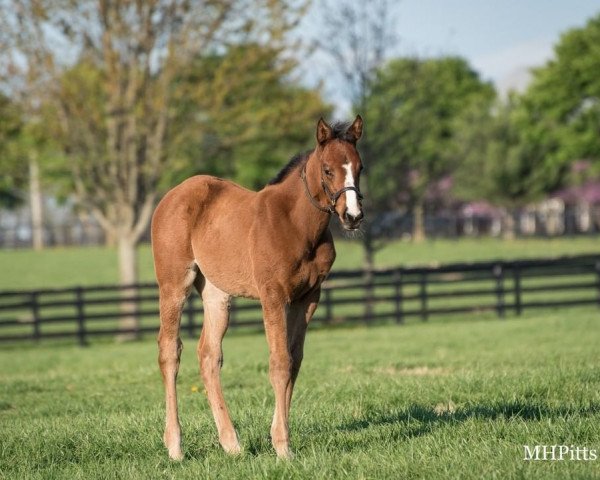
(351, 222)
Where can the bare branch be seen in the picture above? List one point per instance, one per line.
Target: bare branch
(357, 36)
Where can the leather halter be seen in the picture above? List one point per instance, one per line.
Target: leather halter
(333, 197)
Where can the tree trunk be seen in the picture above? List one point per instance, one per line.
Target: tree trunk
(508, 226)
(368, 268)
(36, 205)
(419, 222)
(110, 239)
(128, 275)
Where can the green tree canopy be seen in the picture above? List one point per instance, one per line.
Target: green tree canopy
(14, 173)
(522, 149)
(243, 115)
(24, 138)
(493, 158)
(413, 105)
(559, 114)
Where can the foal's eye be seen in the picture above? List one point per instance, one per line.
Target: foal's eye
(327, 171)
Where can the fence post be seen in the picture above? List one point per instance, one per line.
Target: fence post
(190, 316)
(80, 306)
(498, 272)
(423, 295)
(369, 294)
(398, 279)
(328, 305)
(517, 282)
(35, 311)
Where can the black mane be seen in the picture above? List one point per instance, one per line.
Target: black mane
(340, 132)
(296, 160)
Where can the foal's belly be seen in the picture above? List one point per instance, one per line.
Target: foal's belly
(231, 279)
(230, 267)
(226, 264)
(220, 237)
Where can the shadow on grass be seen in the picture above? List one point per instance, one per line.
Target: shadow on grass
(421, 420)
(414, 421)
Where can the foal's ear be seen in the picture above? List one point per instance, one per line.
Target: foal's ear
(355, 130)
(324, 132)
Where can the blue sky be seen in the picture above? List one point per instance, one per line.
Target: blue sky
(502, 39)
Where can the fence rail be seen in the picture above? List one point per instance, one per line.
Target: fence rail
(394, 294)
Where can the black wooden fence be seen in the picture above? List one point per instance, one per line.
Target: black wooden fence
(395, 294)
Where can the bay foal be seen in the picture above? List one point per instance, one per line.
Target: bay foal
(273, 245)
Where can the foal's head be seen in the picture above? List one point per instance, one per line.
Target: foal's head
(340, 166)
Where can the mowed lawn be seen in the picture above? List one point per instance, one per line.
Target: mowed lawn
(452, 399)
(65, 267)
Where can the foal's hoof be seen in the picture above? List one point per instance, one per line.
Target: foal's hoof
(231, 444)
(283, 452)
(233, 449)
(175, 454)
(173, 443)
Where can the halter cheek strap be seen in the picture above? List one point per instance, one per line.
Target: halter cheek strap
(333, 197)
(328, 209)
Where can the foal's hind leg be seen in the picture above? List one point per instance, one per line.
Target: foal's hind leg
(210, 356)
(174, 289)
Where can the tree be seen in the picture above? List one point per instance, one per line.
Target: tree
(25, 146)
(523, 150)
(108, 68)
(413, 105)
(559, 113)
(494, 160)
(359, 36)
(251, 123)
(13, 180)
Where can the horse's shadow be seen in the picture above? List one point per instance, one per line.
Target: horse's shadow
(419, 420)
(415, 421)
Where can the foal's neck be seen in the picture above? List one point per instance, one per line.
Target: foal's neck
(303, 214)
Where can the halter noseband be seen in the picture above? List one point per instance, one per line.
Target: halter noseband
(333, 197)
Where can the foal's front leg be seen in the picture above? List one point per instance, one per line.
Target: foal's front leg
(298, 318)
(280, 369)
(286, 329)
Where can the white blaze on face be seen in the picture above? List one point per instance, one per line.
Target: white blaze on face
(351, 198)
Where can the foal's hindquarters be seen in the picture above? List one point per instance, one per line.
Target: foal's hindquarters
(210, 356)
(176, 272)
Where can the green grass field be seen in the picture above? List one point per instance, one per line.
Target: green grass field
(452, 399)
(63, 267)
